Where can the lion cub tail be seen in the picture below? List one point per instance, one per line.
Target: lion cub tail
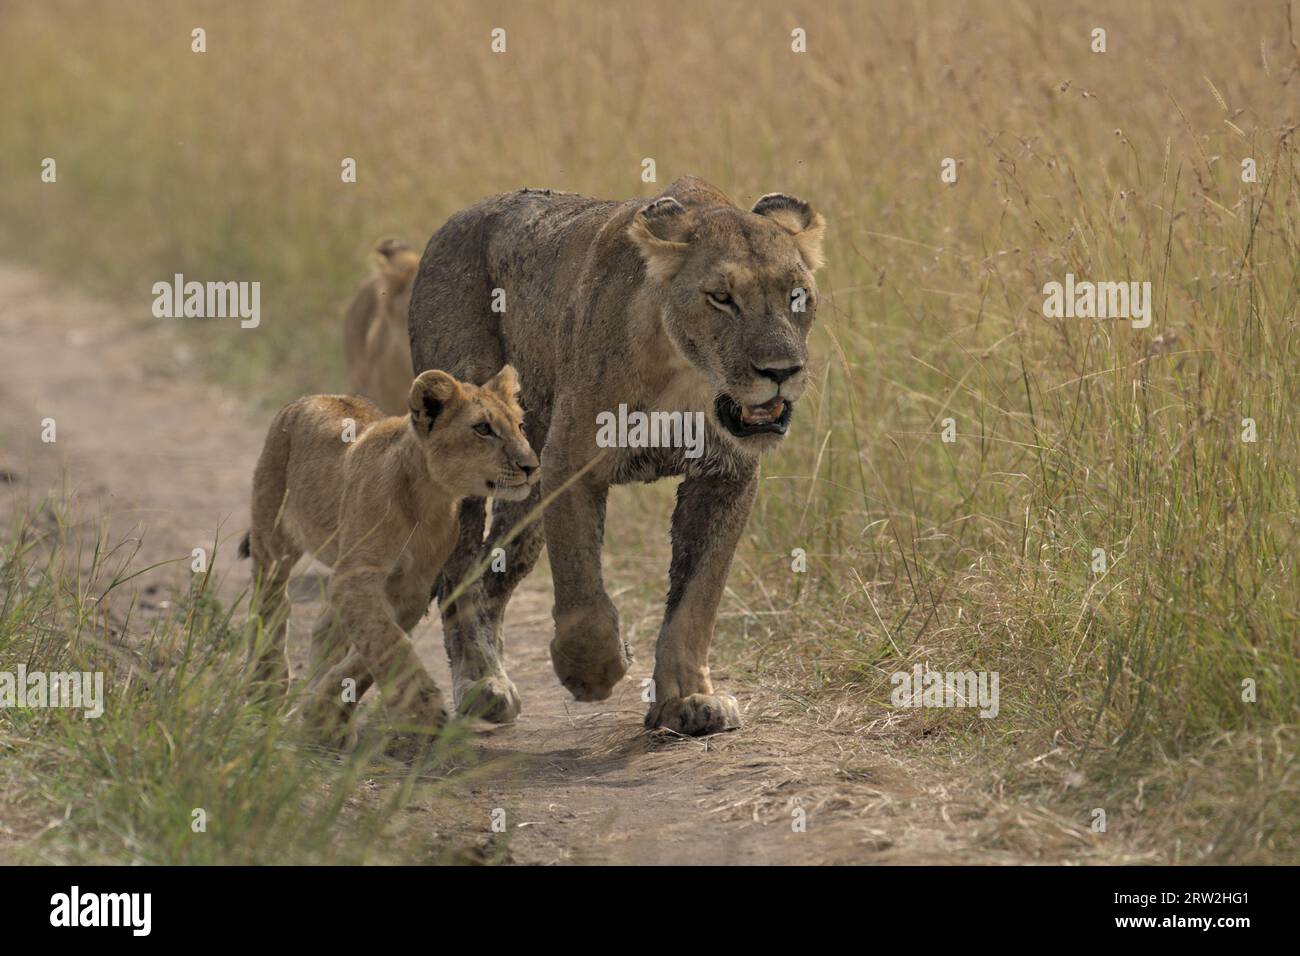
(245, 548)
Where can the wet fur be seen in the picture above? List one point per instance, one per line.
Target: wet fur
(604, 305)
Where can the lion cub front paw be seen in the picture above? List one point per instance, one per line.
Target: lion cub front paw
(328, 721)
(696, 715)
(419, 710)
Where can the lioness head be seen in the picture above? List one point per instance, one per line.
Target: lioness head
(473, 436)
(738, 301)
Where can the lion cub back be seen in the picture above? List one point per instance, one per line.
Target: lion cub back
(300, 477)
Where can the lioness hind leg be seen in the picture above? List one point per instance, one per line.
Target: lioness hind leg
(274, 553)
(475, 645)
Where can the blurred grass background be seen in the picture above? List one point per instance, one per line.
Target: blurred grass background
(1118, 689)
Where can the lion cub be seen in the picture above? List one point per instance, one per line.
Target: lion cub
(376, 499)
(376, 346)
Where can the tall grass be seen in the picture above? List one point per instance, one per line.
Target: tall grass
(186, 764)
(1073, 434)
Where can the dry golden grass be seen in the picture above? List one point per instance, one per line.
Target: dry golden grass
(1120, 690)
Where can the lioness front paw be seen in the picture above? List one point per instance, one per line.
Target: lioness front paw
(696, 715)
(494, 699)
(589, 674)
(587, 653)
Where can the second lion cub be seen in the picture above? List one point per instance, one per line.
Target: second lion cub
(376, 499)
(375, 343)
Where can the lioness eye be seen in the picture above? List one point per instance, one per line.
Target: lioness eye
(720, 299)
(484, 429)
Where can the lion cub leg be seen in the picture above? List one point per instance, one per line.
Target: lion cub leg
(409, 599)
(274, 556)
(409, 595)
(409, 694)
(339, 677)
(328, 644)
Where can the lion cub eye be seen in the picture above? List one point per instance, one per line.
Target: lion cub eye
(483, 429)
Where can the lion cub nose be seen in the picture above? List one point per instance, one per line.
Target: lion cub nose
(528, 470)
(779, 375)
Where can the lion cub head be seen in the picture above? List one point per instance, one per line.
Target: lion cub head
(472, 435)
(395, 264)
(738, 300)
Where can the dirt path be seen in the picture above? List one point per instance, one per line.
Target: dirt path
(162, 455)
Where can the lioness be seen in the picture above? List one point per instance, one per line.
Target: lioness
(683, 303)
(376, 499)
(375, 344)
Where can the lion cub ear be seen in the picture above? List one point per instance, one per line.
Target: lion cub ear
(431, 393)
(797, 218)
(662, 232)
(505, 383)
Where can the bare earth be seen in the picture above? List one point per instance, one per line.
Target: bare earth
(159, 454)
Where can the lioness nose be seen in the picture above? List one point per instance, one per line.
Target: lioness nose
(779, 375)
(528, 470)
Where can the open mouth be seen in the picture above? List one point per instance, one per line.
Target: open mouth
(770, 418)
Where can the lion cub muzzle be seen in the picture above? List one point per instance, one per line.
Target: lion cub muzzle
(514, 482)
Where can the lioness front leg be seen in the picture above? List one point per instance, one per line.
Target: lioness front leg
(587, 652)
(710, 514)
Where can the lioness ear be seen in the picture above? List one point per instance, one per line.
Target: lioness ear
(662, 231)
(797, 218)
(431, 393)
(396, 264)
(505, 383)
